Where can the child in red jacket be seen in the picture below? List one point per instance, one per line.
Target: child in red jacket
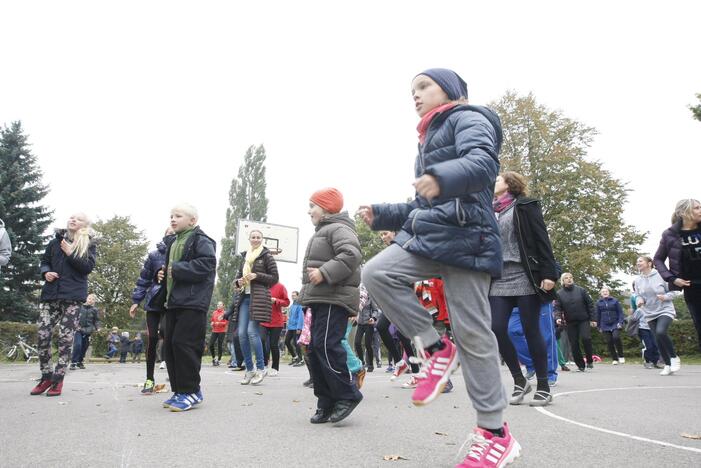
(219, 325)
(270, 331)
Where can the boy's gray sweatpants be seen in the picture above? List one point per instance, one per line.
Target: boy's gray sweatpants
(389, 278)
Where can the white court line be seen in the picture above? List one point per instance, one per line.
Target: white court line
(620, 434)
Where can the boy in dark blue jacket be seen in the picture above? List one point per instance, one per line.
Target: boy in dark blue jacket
(188, 277)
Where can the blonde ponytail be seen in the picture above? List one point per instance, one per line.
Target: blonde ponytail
(81, 242)
(684, 209)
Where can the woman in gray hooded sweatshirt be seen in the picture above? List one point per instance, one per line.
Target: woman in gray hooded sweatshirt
(655, 300)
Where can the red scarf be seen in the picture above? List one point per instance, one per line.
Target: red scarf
(425, 121)
(503, 202)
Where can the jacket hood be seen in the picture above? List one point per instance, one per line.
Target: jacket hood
(676, 227)
(341, 218)
(60, 233)
(488, 113)
(162, 247)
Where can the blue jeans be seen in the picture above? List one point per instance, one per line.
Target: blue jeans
(547, 329)
(650, 351)
(249, 336)
(111, 350)
(81, 342)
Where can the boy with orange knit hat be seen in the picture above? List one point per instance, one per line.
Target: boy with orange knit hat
(330, 280)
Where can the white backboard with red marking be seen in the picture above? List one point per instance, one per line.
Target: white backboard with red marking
(282, 241)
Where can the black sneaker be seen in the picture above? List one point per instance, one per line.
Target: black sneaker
(72, 366)
(308, 383)
(590, 366)
(541, 398)
(342, 409)
(321, 416)
(80, 365)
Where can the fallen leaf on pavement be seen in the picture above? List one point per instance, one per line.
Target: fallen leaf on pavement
(246, 404)
(160, 388)
(441, 433)
(295, 401)
(691, 436)
(259, 393)
(62, 403)
(393, 458)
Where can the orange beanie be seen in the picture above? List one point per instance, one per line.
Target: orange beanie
(329, 199)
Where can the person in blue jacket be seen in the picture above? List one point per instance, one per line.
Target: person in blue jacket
(547, 329)
(609, 318)
(295, 323)
(449, 231)
(147, 287)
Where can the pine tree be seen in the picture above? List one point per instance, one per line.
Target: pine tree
(26, 220)
(247, 200)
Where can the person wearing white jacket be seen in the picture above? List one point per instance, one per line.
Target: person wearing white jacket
(655, 300)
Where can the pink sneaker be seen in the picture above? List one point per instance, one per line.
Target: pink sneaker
(434, 373)
(489, 450)
(399, 369)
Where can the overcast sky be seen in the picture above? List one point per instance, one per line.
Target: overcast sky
(134, 106)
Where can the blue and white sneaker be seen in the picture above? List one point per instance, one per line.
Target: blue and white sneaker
(169, 401)
(185, 401)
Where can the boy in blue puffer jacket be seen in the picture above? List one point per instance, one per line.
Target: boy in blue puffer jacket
(450, 232)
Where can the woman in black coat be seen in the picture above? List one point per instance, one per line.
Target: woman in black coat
(528, 278)
(68, 260)
(681, 244)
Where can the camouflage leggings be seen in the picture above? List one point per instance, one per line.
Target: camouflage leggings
(65, 314)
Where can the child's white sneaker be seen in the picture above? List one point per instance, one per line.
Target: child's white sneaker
(676, 364)
(258, 377)
(666, 371)
(247, 377)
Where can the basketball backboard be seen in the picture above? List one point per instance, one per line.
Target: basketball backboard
(282, 241)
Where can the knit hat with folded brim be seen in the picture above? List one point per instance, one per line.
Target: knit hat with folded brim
(330, 199)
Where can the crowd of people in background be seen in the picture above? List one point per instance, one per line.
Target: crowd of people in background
(468, 276)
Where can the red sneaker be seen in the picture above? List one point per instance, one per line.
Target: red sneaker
(42, 386)
(489, 450)
(399, 369)
(55, 389)
(434, 373)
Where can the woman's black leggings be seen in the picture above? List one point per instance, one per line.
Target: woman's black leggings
(218, 340)
(153, 319)
(615, 345)
(659, 327)
(292, 345)
(692, 297)
(383, 324)
(529, 308)
(271, 345)
(364, 333)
